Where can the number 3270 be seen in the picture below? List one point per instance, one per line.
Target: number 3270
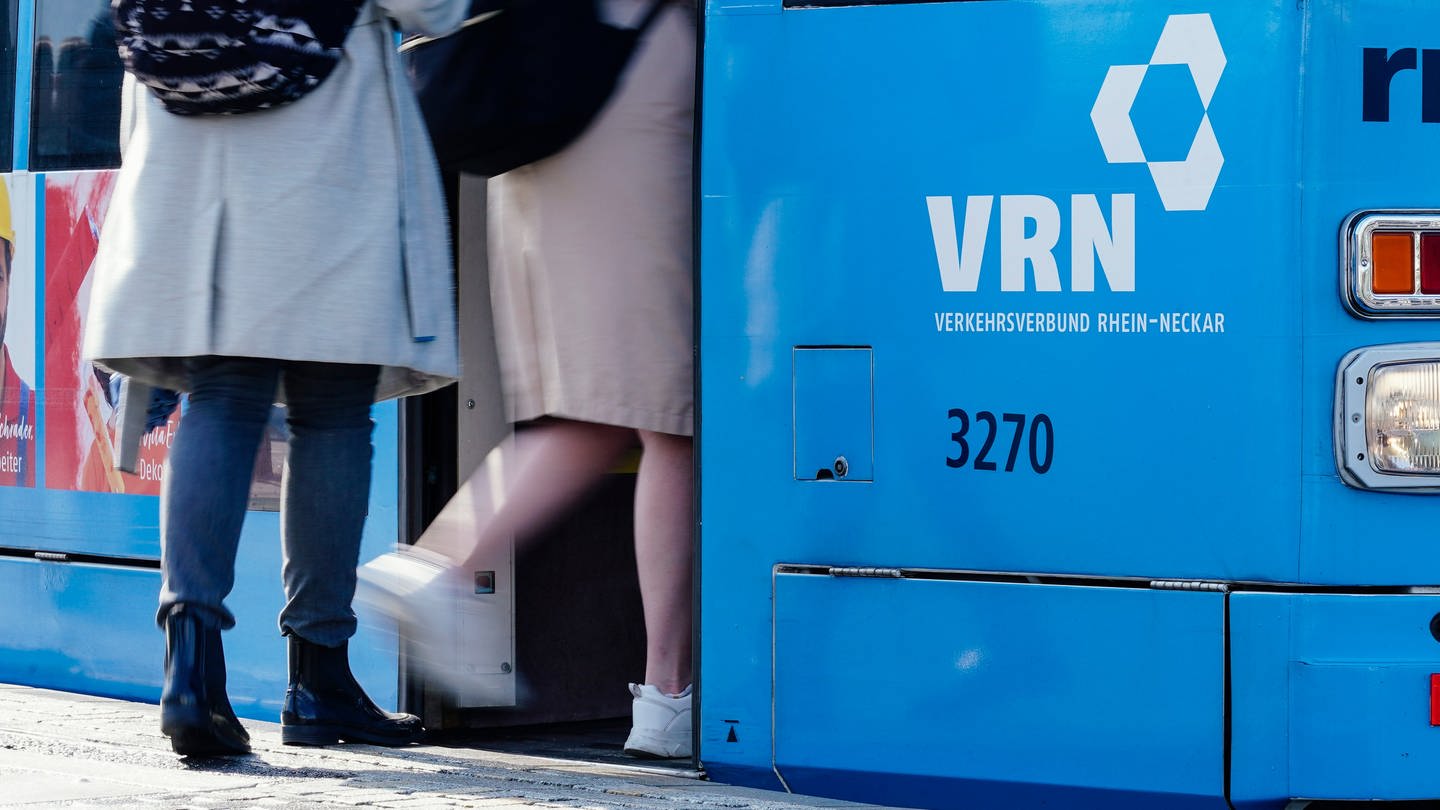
(1037, 433)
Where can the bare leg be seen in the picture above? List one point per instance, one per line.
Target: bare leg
(524, 485)
(664, 541)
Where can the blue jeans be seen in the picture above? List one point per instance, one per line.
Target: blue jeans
(324, 492)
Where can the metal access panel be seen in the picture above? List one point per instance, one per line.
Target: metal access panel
(1334, 696)
(914, 692)
(834, 414)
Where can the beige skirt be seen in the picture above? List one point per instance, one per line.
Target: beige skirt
(590, 252)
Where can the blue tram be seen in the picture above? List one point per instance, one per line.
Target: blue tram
(1068, 412)
(1069, 401)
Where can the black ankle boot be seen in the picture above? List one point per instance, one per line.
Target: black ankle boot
(324, 705)
(195, 712)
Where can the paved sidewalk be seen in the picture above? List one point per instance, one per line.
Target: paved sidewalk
(73, 751)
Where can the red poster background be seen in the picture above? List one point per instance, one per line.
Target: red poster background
(80, 407)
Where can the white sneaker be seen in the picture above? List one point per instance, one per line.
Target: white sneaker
(661, 725)
(418, 589)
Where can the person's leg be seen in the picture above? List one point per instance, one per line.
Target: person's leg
(664, 539)
(325, 490)
(324, 495)
(525, 485)
(203, 499)
(207, 481)
(664, 548)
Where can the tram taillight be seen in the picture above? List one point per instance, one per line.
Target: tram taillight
(1390, 263)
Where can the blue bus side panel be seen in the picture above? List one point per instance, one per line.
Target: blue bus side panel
(835, 141)
(1350, 536)
(90, 628)
(1259, 636)
(81, 628)
(1332, 697)
(81, 522)
(980, 689)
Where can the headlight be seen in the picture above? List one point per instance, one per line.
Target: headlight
(1403, 422)
(1387, 417)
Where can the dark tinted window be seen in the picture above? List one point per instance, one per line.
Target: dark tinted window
(75, 110)
(9, 24)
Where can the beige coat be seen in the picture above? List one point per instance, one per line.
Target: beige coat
(314, 231)
(590, 251)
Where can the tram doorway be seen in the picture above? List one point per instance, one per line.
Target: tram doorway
(562, 631)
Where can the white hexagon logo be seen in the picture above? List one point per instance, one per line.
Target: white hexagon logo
(1184, 185)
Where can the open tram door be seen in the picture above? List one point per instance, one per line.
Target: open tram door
(551, 634)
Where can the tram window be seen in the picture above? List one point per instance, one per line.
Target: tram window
(75, 106)
(837, 3)
(9, 24)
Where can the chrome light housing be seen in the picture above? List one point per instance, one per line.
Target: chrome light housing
(1387, 418)
(1362, 290)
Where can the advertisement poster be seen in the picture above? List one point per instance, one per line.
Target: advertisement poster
(18, 451)
(82, 399)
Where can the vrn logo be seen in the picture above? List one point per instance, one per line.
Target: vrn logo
(1030, 225)
(1029, 232)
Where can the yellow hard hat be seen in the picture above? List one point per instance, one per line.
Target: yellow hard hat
(7, 229)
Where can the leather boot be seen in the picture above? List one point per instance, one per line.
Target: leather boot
(324, 705)
(195, 712)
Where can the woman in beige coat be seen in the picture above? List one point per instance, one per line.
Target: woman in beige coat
(590, 263)
(299, 255)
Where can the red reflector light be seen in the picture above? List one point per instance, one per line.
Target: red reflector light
(1394, 263)
(1430, 263)
(1435, 699)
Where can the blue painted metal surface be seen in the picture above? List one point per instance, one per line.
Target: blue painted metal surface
(91, 628)
(1331, 696)
(1350, 164)
(1067, 690)
(87, 628)
(1093, 356)
(834, 414)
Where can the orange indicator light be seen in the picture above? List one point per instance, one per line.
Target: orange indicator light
(1394, 257)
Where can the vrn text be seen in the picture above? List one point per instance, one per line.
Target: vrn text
(1029, 234)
